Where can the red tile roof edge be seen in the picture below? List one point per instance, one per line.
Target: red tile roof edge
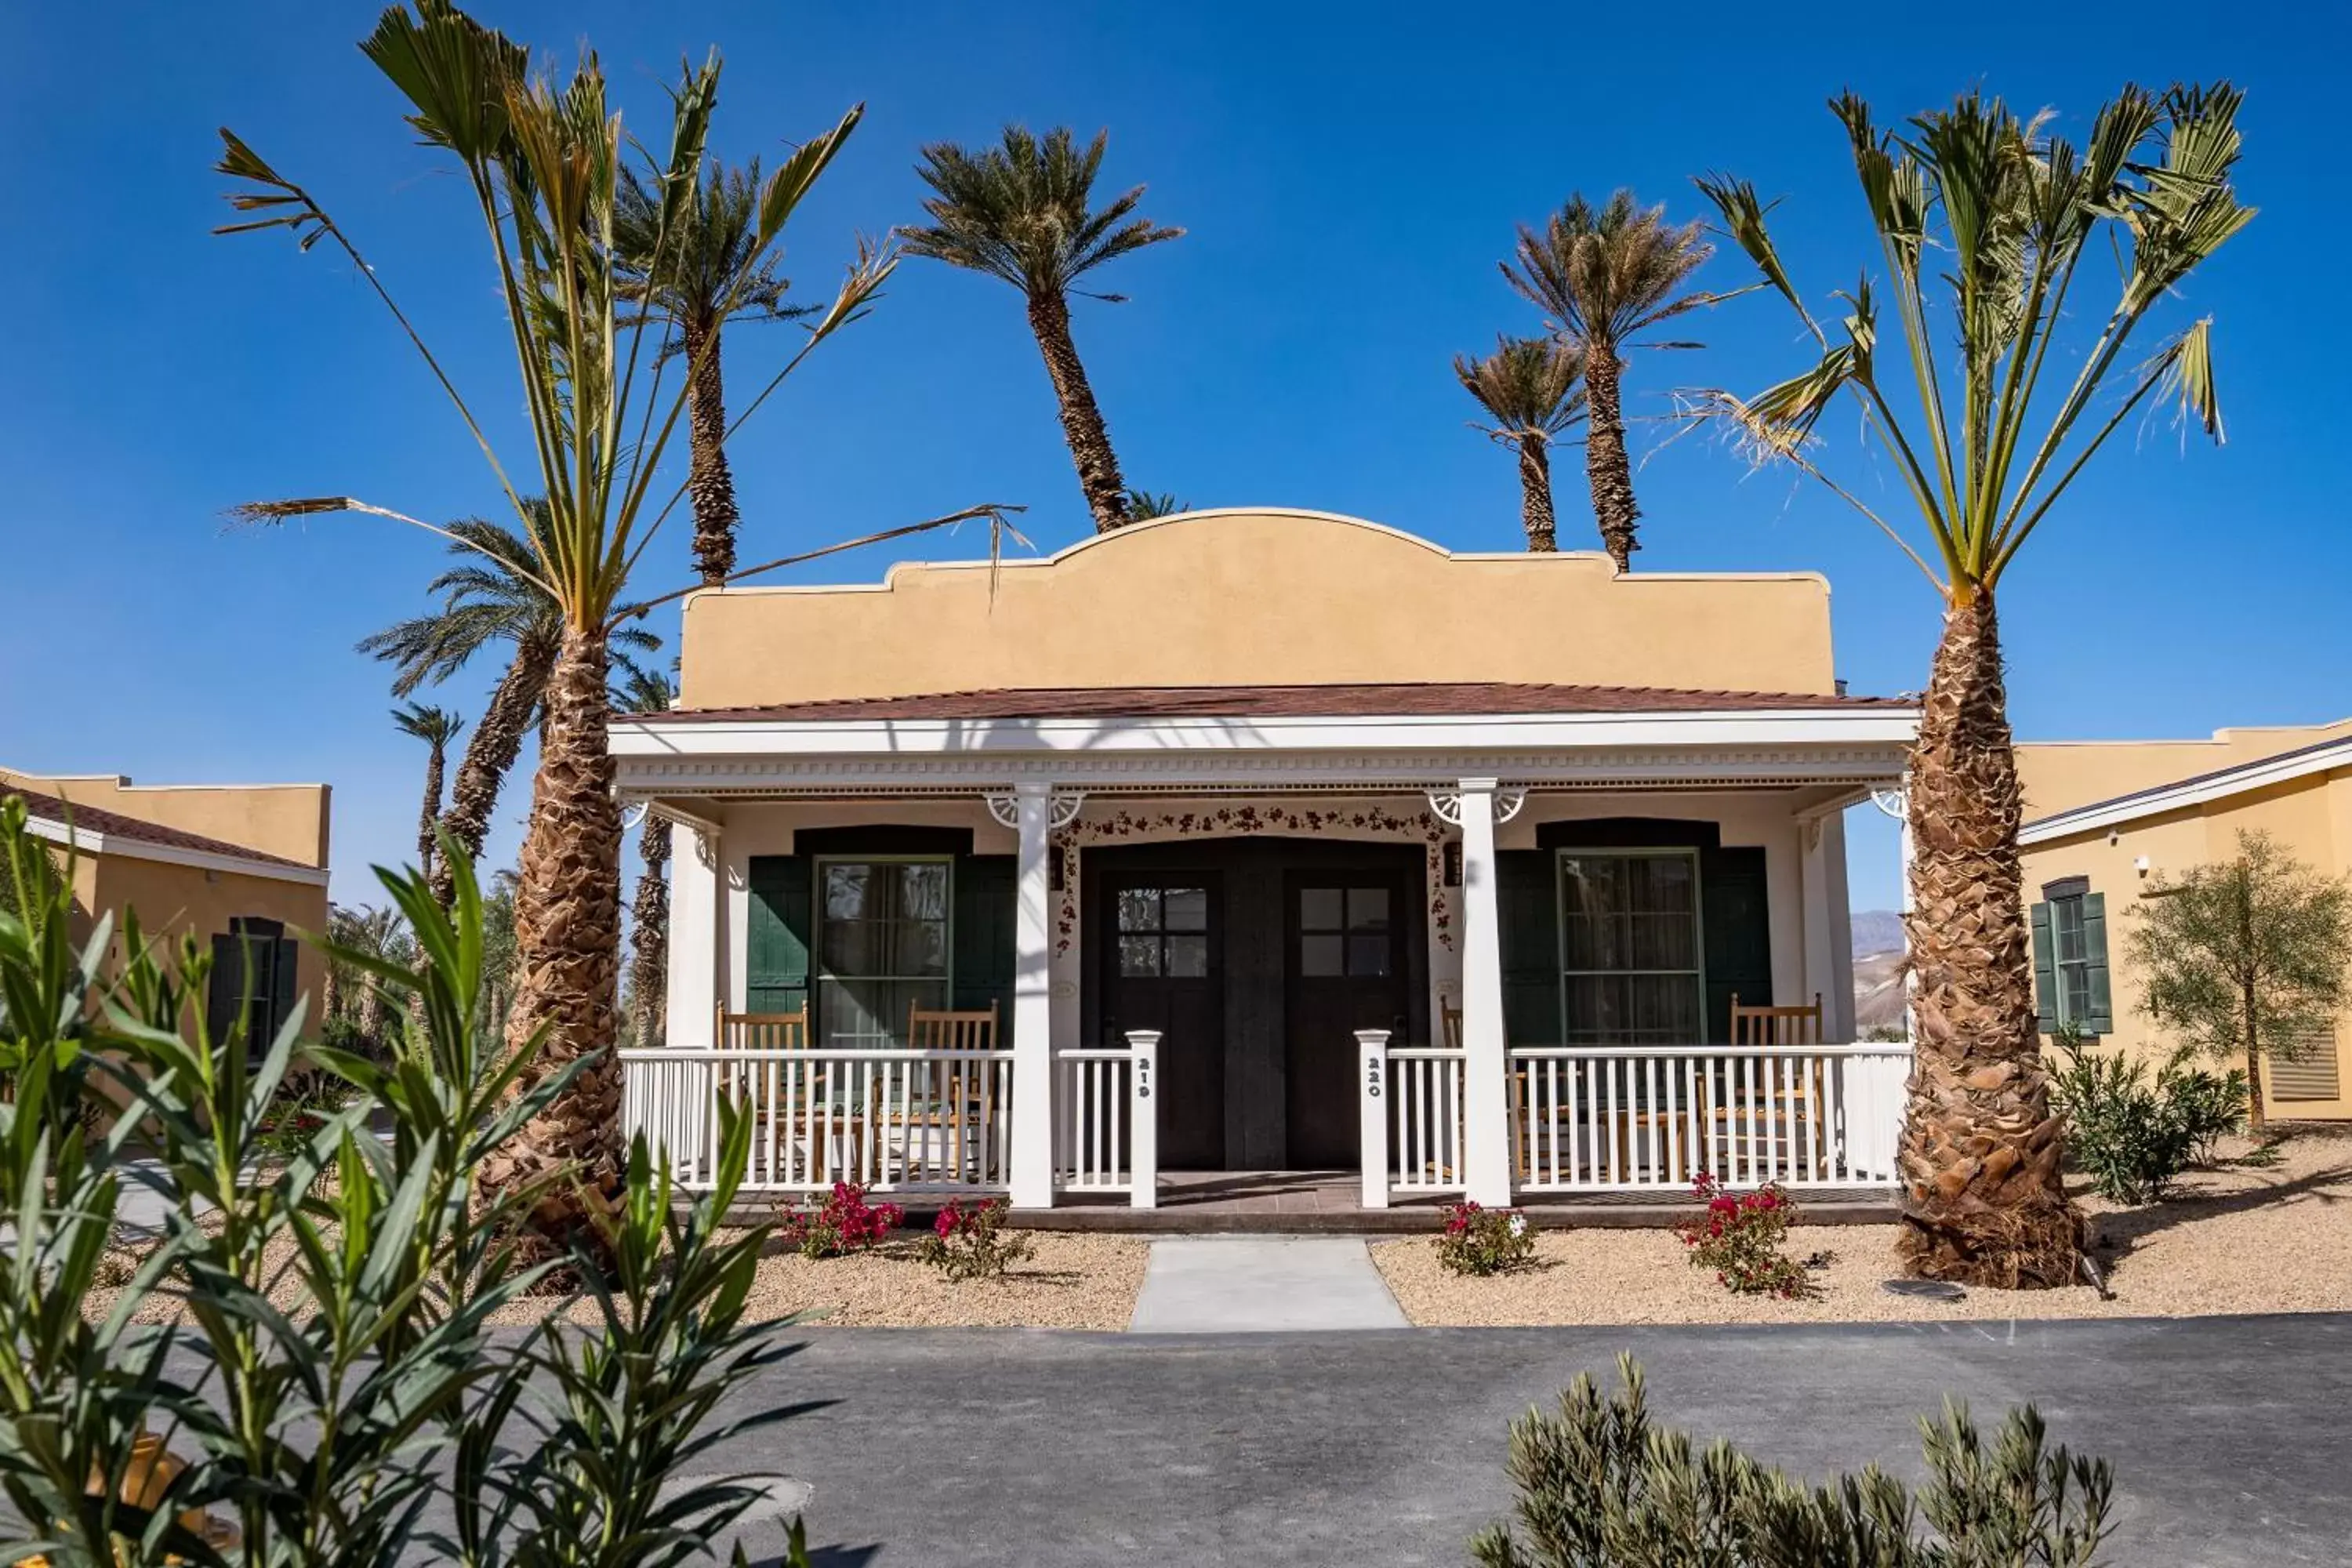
(1371, 700)
(114, 824)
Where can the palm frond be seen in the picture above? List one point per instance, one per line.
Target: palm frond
(1531, 387)
(1021, 211)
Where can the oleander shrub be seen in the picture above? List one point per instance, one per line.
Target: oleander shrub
(2132, 1132)
(1743, 1237)
(1478, 1240)
(842, 1224)
(1600, 1487)
(969, 1241)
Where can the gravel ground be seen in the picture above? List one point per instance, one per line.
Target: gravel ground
(2239, 1239)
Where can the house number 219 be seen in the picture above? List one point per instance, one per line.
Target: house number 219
(1142, 1079)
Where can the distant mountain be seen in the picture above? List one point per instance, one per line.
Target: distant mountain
(1876, 931)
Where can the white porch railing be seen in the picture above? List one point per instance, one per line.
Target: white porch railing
(1614, 1119)
(1108, 1136)
(1412, 1119)
(888, 1120)
(1653, 1119)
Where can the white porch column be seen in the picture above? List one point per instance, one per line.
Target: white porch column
(1033, 1003)
(697, 957)
(1486, 1157)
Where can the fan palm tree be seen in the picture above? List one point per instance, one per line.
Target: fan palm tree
(1019, 211)
(1604, 277)
(492, 597)
(1142, 506)
(1984, 223)
(1530, 388)
(542, 161)
(712, 270)
(437, 726)
(648, 691)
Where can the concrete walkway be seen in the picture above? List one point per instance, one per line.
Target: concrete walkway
(1261, 1284)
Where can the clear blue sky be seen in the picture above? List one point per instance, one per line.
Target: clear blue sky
(1349, 175)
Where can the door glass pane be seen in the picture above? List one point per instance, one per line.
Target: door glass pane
(1367, 908)
(1188, 957)
(1367, 955)
(1139, 909)
(882, 948)
(1186, 909)
(1139, 956)
(1322, 956)
(1322, 909)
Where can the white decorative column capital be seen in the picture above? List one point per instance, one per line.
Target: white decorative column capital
(1063, 807)
(1447, 804)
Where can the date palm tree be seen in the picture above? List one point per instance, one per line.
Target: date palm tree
(1604, 277)
(1021, 211)
(708, 273)
(1142, 506)
(1985, 225)
(543, 162)
(437, 726)
(1530, 388)
(648, 691)
(491, 597)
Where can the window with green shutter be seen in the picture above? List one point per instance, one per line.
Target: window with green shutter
(2070, 959)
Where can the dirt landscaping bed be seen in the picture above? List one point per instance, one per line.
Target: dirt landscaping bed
(2241, 1238)
(1068, 1281)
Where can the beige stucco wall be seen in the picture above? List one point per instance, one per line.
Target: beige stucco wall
(176, 901)
(2311, 817)
(290, 821)
(2059, 775)
(1257, 597)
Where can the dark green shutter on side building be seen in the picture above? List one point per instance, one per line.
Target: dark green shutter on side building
(2045, 970)
(776, 938)
(2094, 949)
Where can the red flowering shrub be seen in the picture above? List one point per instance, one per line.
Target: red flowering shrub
(844, 1222)
(1740, 1237)
(1480, 1240)
(972, 1243)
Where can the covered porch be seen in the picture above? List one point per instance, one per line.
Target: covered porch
(1089, 948)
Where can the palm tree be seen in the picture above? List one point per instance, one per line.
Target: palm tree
(492, 597)
(1605, 277)
(1530, 388)
(1984, 223)
(543, 162)
(709, 271)
(1020, 212)
(1142, 506)
(648, 691)
(379, 932)
(437, 726)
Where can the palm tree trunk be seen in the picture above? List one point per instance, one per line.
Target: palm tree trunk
(498, 740)
(1535, 495)
(649, 935)
(1606, 465)
(370, 1018)
(436, 762)
(710, 484)
(1983, 1199)
(1082, 422)
(567, 935)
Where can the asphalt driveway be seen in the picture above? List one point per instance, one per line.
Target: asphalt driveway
(2231, 1438)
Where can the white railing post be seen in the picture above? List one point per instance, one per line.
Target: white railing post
(1372, 1054)
(1143, 1119)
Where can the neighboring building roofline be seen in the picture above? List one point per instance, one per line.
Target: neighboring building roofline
(2320, 756)
(91, 830)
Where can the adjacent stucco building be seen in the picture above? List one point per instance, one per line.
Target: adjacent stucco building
(242, 866)
(2104, 819)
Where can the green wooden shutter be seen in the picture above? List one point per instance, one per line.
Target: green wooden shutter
(2094, 949)
(224, 988)
(776, 939)
(1526, 907)
(282, 980)
(2045, 970)
(987, 890)
(1736, 926)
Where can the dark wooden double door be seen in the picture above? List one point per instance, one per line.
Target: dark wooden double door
(1256, 960)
